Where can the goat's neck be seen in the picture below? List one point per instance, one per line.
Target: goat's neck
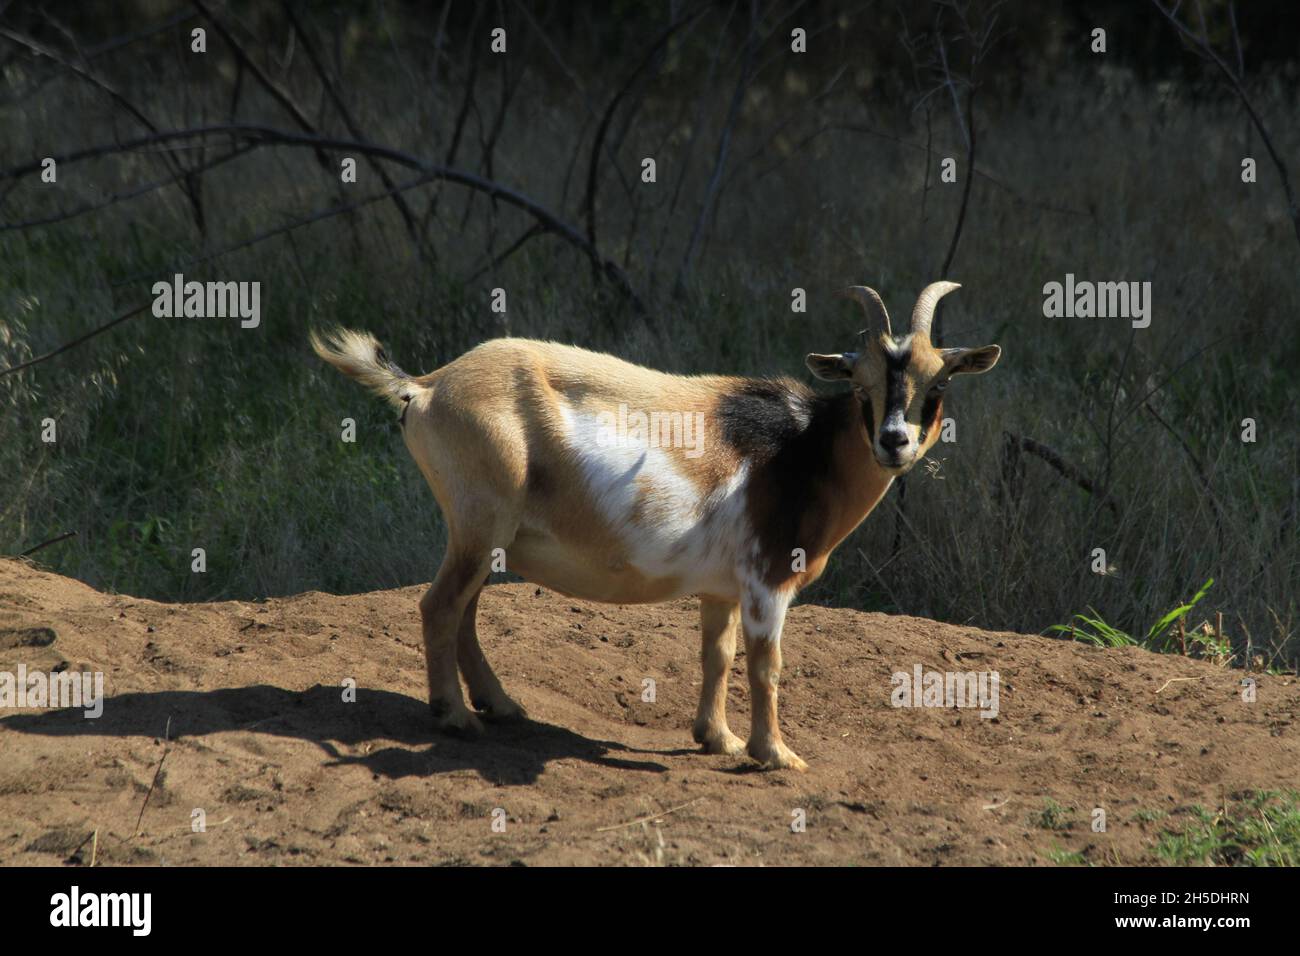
(858, 482)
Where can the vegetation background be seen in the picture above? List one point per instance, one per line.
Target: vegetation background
(775, 170)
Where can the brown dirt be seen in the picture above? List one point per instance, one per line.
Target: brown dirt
(286, 772)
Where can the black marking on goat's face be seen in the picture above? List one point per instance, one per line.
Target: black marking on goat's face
(896, 379)
(899, 383)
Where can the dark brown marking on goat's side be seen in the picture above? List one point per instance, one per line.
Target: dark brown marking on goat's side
(792, 465)
(759, 416)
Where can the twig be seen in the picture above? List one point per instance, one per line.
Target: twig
(1064, 468)
(77, 341)
(116, 43)
(45, 544)
(724, 145)
(1174, 680)
(1237, 334)
(166, 750)
(1202, 45)
(880, 577)
(462, 114)
(422, 248)
(514, 247)
(685, 155)
(280, 230)
(648, 819)
(277, 93)
(593, 178)
(170, 161)
(1200, 470)
(128, 194)
(88, 837)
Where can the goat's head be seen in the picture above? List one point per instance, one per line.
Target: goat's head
(900, 380)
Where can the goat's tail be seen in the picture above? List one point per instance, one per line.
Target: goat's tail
(359, 355)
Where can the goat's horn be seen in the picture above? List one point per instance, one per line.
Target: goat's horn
(869, 299)
(923, 314)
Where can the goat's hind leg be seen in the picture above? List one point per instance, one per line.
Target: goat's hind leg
(442, 610)
(486, 694)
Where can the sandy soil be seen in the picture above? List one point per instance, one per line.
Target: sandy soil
(286, 772)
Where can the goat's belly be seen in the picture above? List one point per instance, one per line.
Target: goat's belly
(611, 578)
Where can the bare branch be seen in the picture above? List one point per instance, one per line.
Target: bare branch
(724, 145)
(85, 74)
(129, 194)
(408, 217)
(77, 341)
(1202, 46)
(1014, 443)
(265, 135)
(593, 179)
(277, 93)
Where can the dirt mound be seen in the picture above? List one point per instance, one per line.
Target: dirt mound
(262, 742)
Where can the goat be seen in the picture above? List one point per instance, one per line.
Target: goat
(519, 441)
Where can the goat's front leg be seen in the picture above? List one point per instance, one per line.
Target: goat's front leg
(764, 619)
(719, 621)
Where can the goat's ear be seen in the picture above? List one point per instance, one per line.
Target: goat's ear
(832, 368)
(970, 361)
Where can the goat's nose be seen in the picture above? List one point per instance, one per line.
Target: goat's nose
(893, 439)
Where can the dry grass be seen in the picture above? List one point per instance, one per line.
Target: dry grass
(175, 434)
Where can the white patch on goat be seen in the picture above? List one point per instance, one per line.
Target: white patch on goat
(678, 532)
(898, 346)
(762, 608)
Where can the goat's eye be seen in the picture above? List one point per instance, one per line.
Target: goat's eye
(939, 386)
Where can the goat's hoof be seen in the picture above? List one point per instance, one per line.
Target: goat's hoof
(777, 756)
(500, 711)
(725, 743)
(456, 723)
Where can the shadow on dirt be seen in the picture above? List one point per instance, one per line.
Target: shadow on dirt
(513, 753)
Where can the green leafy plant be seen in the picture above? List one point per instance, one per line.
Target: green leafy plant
(1263, 830)
(1063, 857)
(1093, 630)
(1053, 816)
